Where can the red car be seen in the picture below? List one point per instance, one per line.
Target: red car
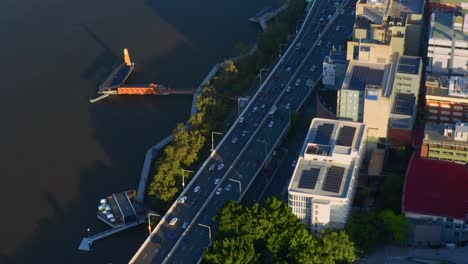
(260, 94)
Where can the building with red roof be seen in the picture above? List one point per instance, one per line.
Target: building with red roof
(436, 191)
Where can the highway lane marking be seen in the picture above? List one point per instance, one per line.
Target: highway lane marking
(278, 98)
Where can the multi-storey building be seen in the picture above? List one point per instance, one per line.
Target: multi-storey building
(446, 5)
(323, 183)
(391, 22)
(385, 34)
(446, 142)
(447, 99)
(435, 201)
(448, 44)
(334, 69)
(404, 99)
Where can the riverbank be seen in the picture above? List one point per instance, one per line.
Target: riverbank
(214, 103)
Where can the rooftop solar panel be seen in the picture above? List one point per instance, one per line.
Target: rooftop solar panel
(403, 104)
(346, 136)
(408, 65)
(363, 76)
(323, 135)
(333, 179)
(309, 178)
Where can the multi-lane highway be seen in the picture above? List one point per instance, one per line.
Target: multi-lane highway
(242, 152)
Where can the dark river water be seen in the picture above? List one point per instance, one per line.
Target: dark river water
(59, 153)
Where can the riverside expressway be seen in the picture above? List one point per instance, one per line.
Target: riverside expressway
(243, 159)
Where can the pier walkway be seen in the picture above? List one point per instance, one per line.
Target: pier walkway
(266, 14)
(86, 242)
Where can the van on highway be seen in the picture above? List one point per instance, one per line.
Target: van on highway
(272, 110)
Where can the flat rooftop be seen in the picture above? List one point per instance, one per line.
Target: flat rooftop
(430, 189)
(408, 65)
(443, 27)
(321, 178)
(361, 75)
(444, 86)
(327, 158)
(407, 6)
(435, 132)
(403, 104)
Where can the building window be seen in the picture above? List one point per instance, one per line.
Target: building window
(316, 212)
(449, 220)
(316, 219)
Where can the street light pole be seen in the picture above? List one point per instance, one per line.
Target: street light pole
(209, 231)
(240, 185)
(262, 69)
(183, 181)
(266, 146)
(212, 139)
(280, 49)
(149, 222)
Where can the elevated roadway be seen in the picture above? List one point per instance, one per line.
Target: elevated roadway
(243, 159)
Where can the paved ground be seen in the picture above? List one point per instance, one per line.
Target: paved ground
(403, 255)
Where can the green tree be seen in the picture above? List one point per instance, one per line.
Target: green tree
(269, 233)
(337, 247)
(390, 196)
(235, 250)
(366, 230)
(397, 225)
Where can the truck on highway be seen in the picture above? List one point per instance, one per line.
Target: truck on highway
(272, 110)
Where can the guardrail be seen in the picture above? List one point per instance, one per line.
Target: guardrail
(200, 170)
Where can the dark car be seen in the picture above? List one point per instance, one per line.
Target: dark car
(171, 235)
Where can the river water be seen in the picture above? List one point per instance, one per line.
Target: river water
(59, 153)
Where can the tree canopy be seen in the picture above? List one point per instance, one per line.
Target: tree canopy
(269, 233)
(213, 104)
(369, 229)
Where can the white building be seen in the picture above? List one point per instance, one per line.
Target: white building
(322, 187)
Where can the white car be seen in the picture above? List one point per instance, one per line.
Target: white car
(173, 221)
(288, 89)
(234, 140)
(288, 105)
(353, 12)
(228, 187)
(241, 119)
(342, 12)
(262, 106)
(319, 43)
(337, 28)
(196, 189)
(288, 69)
(298, 46)
(294, 163)
(255, 109)
(321, 19)
(313, 68)
(244, 133)
(271, 123)
(219, 190)
(298, 82)
(216, 181)
(185, 224)
(212, 167)
(182, 199)
(221, 166)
